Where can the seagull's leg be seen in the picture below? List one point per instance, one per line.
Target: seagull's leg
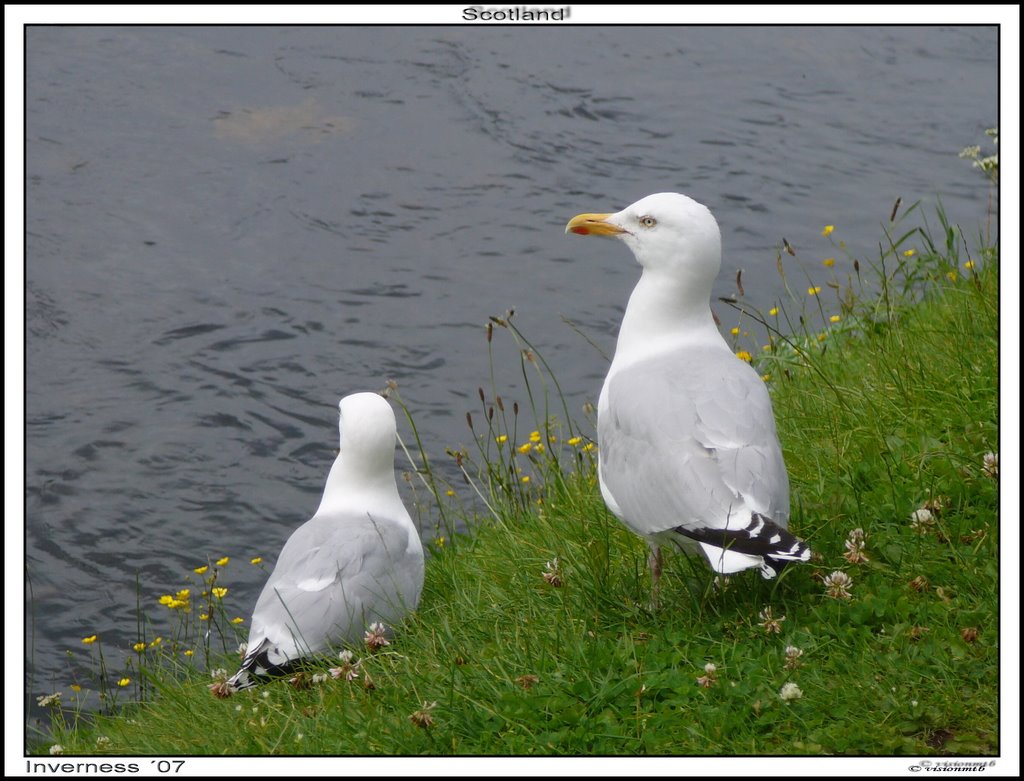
(654, 562)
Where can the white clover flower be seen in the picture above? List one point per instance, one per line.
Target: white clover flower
(321, 677)
(771, 624)
(837, 585)
(374, 637)
(552, 574)
(990, 463)
(46, 700)
(921, 519)
(855, 547)
(708, 679)
(793, 655)
(422, 717)
(222, 689)
(56, 749)
(102, 741)
(790, 691)
(346, 656)
(219, 673)
(347, 671)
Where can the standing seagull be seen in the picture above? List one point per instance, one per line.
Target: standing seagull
(687, 447)
(358, 560)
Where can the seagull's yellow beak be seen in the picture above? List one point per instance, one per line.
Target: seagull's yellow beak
(593, 225)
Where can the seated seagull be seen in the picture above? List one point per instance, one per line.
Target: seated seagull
(357, 561)
(688, 452)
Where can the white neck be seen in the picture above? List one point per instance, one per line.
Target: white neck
(665, 312)
(361, 486)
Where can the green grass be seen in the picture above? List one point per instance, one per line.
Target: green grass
(895, 407)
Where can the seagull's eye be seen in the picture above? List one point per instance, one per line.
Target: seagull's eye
(648, 222)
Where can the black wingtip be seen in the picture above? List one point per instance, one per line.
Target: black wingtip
(763, 538)
(257, 669)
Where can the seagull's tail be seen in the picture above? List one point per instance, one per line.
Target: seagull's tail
(762, 543)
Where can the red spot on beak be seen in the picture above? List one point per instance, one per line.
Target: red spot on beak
(582, 230)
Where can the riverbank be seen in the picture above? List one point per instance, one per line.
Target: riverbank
(535, 634)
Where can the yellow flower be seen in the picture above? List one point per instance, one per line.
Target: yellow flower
(525, 448)
(909, 253)
(835, 319)
(449, 492)
(828, 229)
(502, 439)
(156, 642)
(237, 620)
(139, 647)
(220, 592)
(969, 264)
(201, 570)
(222, 562)
(75, 687)
(828, 262)
(552, 438)
(90, 639)
(539, 447)
(525, 478)
(189, 652)
(951, 276)
(575, 441)
(821, 337)
(535, 436)
(183, 594)
(743, 355)
(166, 599)
(439, 542)
(124, 681)
(767, 348)
(765, 377)
(734, 331)
(588, 447)
(813, 291)
(257, 560)
(773, 311)
(204, 616)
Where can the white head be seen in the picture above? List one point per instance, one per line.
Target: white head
(362, 477)
(368, 432)
(668, 233)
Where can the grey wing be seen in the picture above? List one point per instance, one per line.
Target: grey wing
(688, 439)
(334, 577)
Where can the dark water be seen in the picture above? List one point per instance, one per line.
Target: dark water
(231, 228)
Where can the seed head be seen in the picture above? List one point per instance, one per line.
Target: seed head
(422, 717)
